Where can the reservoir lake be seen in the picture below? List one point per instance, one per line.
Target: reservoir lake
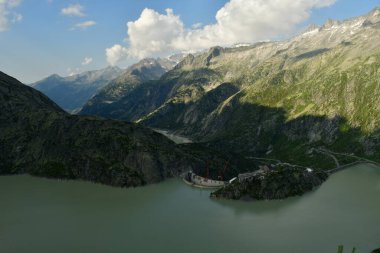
(42, 215)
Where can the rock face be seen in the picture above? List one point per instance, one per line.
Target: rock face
(39, 138)
(278, 184)
(72, 92)
(275, 99)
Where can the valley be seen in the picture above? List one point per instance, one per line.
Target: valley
(167, 129)
(297, 101)
(276, 100)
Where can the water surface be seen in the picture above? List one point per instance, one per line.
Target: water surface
(40, 215)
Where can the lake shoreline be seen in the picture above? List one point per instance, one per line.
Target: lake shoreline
(131, 216)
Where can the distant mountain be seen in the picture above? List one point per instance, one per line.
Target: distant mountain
(143, 71)
(283, 100)
(73, 92)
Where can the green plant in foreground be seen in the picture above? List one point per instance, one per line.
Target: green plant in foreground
(341, 249)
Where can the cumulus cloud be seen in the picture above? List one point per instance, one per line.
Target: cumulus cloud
(84, 25)
(7, 16)
(73, 10)
(155, 34)
(86, 61)
(116, 54)
(196, 26)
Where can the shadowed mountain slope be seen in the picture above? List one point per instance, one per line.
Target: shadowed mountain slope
(274, 99)
(143, 71)
(39, 138)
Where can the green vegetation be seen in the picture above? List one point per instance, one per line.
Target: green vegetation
(281, 183)
(39, 138)
(273, 100)
(52, 170)
(310, 101)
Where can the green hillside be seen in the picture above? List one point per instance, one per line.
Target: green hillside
(284, 100)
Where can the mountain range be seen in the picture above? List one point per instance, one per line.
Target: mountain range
(39, 138)
(145, 70)
(283, 100)
(94, 90)
(72, 92)
(296, 101)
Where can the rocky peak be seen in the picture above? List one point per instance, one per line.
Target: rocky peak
(212, 53)
(367, 23)
(144, 63)
(373, 17)
(50, 79)
(215, 51)
(330, 23)
(311, 28)
(188, 60)
(375, 12)
(88, 77)
(54, 77)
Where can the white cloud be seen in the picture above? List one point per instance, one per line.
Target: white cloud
(7, 15)
(73, 71)
(17, 17)
(155, 34)
(84, 25)
(86, 61)
(77, 70)
(73, 10)
(196, 26)
(116, 54)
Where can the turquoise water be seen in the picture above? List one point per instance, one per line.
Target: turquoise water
(41, 215)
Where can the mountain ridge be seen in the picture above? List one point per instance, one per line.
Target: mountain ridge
(72, 92)
(145, 70)
(39, 138)
(264, 92)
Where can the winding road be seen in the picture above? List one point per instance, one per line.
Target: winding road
(332, 154)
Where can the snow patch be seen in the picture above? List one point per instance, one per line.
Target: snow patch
(310, 33)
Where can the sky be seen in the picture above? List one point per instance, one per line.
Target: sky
(42, 37)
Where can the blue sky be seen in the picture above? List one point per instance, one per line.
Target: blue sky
(46, 41)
